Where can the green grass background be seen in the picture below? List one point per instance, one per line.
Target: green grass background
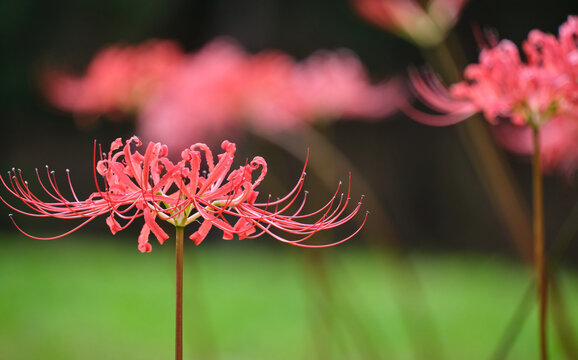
(93, 298)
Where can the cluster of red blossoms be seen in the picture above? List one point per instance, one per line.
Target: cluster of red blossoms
(151, 186)
(176, 95)
(517, 95)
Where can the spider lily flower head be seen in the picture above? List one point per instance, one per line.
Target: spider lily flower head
(502, 86)
(152, 187)
(424, 25)
(327, 85)
(120, 78)
(512, 93)
(335, 84)
(201, 98)
(224, 88)
(220, 88)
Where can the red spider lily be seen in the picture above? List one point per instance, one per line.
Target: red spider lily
(151, 186)
(525, 94)
(219, 88)
(502, 85)
(120, 78)
(423, 22)
(225, 88)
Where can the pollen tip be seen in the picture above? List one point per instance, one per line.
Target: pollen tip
(10, 215)
(362, 196)
(67, 170)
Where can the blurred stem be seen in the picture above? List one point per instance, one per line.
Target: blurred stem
(566, 332)
(539, 258)
(336, 312)
(410, 296)
(561, 320)
(516, 323)
(179, 295)
(447, 58)
(323, 310)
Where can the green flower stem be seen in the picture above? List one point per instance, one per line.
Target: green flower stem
(179, 295)
(539, 258)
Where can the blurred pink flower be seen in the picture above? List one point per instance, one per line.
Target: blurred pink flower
(200, 100)
(335, 85)
(526, 94)
(270, 101)
(558, 143)
(422, 22)
(151, 186)
(500, 86)
(222, 88)
(119, 79)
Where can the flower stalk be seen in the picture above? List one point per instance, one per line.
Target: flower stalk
(539, 258)
(179, 294)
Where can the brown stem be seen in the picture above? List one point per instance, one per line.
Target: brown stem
(179, 295)
(539, 258)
